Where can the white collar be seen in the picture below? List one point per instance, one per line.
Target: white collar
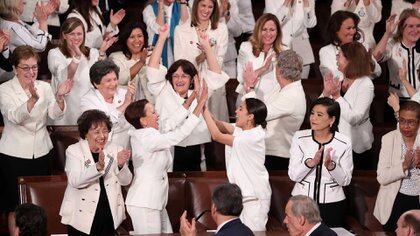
(313, 229)
(222, 224)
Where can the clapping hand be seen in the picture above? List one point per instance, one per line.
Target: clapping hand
(4, 40)
(417, 158)
(41, 13)
(391, 24)
(107, 43)
(32, 91)
(331, 86)
(329, 163)
(116, 18)
(100, 165)
(122, 157)
(317, 158)
(204, 41)
(131, 91)
(250, 77)
(64, 88)
(408, 159)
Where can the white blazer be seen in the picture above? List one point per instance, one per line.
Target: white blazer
(294, 22)
(25, 134)
(152, 160)
(330, 185)
(246, 15)
(82, 193)
(169, 103)
(93, 99)
(94, 38)
(53, 19)
(354, 117)
(369, 16)
(400, 5)
(57, 64)
(390, 173)
(140, 80)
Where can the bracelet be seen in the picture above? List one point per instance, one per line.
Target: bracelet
(397, 114)
(76, 60)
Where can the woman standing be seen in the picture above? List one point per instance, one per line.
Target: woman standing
(321, 162)
(93, 203)
(400, 5)
(26, 104)
(245, 155)
(399, 168)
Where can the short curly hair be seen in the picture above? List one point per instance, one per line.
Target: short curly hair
(289, 65)
(91, 118)
(100, 69)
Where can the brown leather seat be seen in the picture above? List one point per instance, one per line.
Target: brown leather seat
(62, 137)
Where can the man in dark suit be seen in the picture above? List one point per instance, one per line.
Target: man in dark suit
(225, 210)
(409, 224)
(303, 218)
(30, 219)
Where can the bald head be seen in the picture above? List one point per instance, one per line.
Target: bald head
(409, 224)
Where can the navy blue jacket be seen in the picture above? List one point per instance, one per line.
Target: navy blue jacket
(236, 228)
(323, 230)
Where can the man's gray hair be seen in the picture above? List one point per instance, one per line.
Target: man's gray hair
(289, 64)
(306, 207)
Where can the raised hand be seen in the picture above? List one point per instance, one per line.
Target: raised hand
(394, 101)
(391, 24)
(204, 41)
(186, 228)
(100, 165)
(116, 18)
(250, 77)
(164, 31)
(107, 43)
(329, 163)
(122, 157)
(197, 85)
(204, 94)
(131, 91)
(41, 13)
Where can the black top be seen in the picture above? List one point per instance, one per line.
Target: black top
(5, 63)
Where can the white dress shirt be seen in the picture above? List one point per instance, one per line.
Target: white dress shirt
(25, 134)
(58, 64)
(320, 184)
(94, 38)
(82, 193)
(152, 160)
(24, 34)
(246, 15)
(369, 16)
(53, 19)
(93, 99)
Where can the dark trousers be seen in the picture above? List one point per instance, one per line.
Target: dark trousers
(402, 204)
(276, 163)
(187, 158)
(333, 214)
(13, 167)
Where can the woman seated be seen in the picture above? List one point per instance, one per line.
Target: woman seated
(399, 168)
(355, 95)
(107, 97)
(321, 162)
(245, 155)
(152, 159)
(93, 203)
(175, 94)
(132, 59)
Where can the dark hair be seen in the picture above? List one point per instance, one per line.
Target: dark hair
(228, 199)
(214, 18)
(186, 66)
(410, 1)
(100, 69)
(67, 27)
(359, 60)
(135, 111)
(258, 109)
(91, 118)
(334, 25)
(23, 52)
(125, 34)
(84, 7)
(333, 110)
(31, 220)
(411, 106)
(412, 221)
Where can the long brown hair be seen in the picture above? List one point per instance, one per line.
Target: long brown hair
(255, 39)
(359, 60)
(214, 18)
(68, 26)
(401, 24)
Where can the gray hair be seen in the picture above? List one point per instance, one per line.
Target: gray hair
(228, 199)
(306, 207)
(100, 69)
(289, 65)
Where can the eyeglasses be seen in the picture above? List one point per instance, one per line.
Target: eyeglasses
(410, 123)
(182, 76)
(28, 68)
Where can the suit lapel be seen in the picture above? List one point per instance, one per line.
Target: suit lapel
(20, 93)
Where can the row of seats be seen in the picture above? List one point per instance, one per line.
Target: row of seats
(191, 191)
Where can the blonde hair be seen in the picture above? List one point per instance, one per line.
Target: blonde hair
(401, 24)
(9, 9)
(256, 42)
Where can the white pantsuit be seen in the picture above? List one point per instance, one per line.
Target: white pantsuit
(53, 19)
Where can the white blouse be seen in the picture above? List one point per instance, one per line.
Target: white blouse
(245, 163)
(400, 5)
(53, 19)
(94, 38)
(58, 64)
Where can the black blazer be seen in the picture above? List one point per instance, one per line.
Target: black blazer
(323, 230)
(235, 227)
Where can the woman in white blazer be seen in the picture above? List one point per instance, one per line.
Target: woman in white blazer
(400, 5)
(152, 159)
(399, 168)
(295, 18)
(245, 155)
(26, 104)
(369, 13)
(401, 52)
(72, 60)
(93, 203)
(35, 35)
(107, 97)
(175, 93)
(90, 14)
(321, 162)
(132, 59)
(204, 19)
(343, 27)
(261, 51)
(354, 94)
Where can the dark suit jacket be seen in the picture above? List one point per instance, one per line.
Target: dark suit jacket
(323, 230)
(236, 228)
